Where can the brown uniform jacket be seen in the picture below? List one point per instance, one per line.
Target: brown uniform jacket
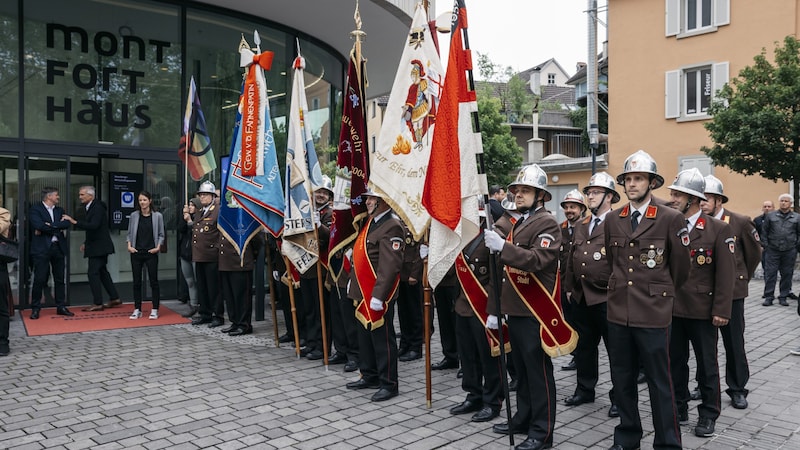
(587, 265)
(535, 248)
(748, 250)
(323, 236)
(638, 295)
(709, 290)
(477, 256)
(229, 258)
(412, 263)
(385, 245)
(205, 235)
(566, 247)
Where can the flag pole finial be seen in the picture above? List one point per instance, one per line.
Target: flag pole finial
(357, 35)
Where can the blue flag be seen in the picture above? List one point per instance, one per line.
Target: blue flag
(234, 222)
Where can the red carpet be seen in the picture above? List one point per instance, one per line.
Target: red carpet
(109, 319)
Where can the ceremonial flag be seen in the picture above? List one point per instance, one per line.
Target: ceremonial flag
(260, 195)
(352, 166)
(302, 173)
(452, 185)
(234, 222)
(195, 147)
(400, 160)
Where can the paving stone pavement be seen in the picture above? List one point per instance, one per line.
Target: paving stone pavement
(184, 387)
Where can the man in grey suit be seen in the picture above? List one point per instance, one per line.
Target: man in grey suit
(96, 247)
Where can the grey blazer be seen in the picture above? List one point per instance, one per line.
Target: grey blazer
(158, 227)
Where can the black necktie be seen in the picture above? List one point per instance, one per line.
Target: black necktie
(594, 225)
(635, 220)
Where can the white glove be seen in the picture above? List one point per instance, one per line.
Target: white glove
(491, 322)
(375, 304)
(493, 241)
(315, 216)
(423, 251)
(275, 275)
(349, 254)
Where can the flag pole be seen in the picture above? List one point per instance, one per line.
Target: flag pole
(293, 306)
(426, 327)
(493, 274)
(272, 292)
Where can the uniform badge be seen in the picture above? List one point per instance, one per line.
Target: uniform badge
(701, 224)
(683, 233)
(701, 259)
(731, 244)
(408, 241)
(482, 270)
(596, 256)
(755, 235)
(396, 243)
(547, 239)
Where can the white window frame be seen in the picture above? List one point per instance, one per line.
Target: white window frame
(675, 95)
(701, 163)
(677, 12)
(551, 79)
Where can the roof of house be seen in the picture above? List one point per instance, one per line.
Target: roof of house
(525, 74)
(580, 75)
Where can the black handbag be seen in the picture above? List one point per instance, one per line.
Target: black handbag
(9, 250)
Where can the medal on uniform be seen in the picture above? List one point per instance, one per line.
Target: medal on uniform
(651, 263)
(701, 259)
(205, 228)
(651, 254)
(602, 250)
(659, 259)
(597, 256)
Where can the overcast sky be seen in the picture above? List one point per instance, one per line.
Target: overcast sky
(524, 33)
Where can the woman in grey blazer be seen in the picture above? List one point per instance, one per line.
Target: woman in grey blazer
(145, 236)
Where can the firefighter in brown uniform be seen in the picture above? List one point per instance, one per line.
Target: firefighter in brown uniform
(377, 261)
(205, 255)
(309, 284)
(748, 255)
(587, 280)
(530, 255)
(703, 303)
(647, 249)
(236, 283)
(479, 362)
(574, 208)
(343, 311)
(409, 301)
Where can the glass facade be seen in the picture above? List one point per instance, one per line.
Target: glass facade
(91, 89)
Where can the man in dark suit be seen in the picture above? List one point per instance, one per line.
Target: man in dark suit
(377, 261)
(96, 248)
(48, 250)
(703, 303)
(647, 249)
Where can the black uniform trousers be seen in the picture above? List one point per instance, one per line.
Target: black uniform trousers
(536, 385)
(445, 297)
(236, 289)
(377, 351)
(703, 336)
(207, 280)
(309, 298)
(5, 317)
(409, 314)
(99, 278)
(783, 262)
(737, 371)
(630, 348)
(344, 323)
(482, 372)
(41, 272)
(591, 324)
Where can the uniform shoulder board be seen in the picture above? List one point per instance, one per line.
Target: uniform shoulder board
(546, 240)
(683, 234)
(731, 244)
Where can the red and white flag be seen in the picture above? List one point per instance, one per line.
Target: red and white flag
(400, 158)
(452, 184)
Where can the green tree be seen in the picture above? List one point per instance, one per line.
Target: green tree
(502, 156)
(756, 118)
(578, 118)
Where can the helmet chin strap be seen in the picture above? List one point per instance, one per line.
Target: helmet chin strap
(602, 200)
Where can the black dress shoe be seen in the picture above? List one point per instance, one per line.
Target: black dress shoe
(350, 366)
(767, 302)
(578, 399)
(445, 364)
(791, 296)
(502, 428)
(200, 320)
(783, 302)
(229, 329)
(337, 358)
(467, 406)
(410, 355)
(241, 331)
(485, 414)
(532, 444)
(62, 312)
(383, 394)
(613, 411)
(315, 355)
(738, 400)
(4, 350)
(571, 366)
(286, 338)
(362, 384)
(696, 395)
(705, 427)
(683, 417)
(34, 314)
(93, 308)
(305, 351)
(216, 322)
